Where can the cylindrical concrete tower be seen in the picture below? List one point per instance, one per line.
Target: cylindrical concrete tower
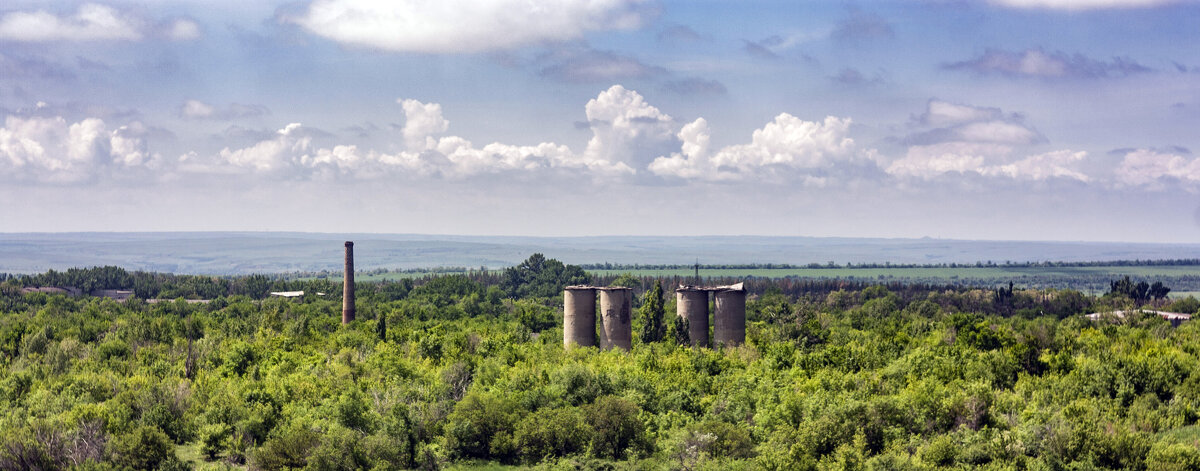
(579, 316)
(692, 305)
(348, 285)
(729, 320)
(616, 311)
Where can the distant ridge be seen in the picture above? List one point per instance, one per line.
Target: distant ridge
(224, 253)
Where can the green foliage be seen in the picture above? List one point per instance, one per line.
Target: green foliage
(144, 448)
(288, 450)
(618, 432)
(481, 427)
(540, 277)
(886, 377)
(652, 313)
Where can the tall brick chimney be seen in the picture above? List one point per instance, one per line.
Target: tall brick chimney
(348, 286)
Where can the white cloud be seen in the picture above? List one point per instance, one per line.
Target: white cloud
(1057, 164)
(626, 128)
(89, 22)
(421, 122)
(951, 157)
(943, 113)
(997, 131)
(1148, 167)
(53, 150)
(182, 29)
(463, 26)
(1081, 4)
(787, 142)
(196, 109)
(928, 162)
(284, 151)
(292, 153)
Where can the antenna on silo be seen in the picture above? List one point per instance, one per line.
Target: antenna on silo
(697, 271)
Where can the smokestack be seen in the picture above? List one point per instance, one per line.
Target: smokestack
(348, 286)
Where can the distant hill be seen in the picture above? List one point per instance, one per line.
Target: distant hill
(274, 252)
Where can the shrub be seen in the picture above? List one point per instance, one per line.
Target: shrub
(618, 430)
(145, 447)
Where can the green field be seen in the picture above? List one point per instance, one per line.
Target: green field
(946, 273)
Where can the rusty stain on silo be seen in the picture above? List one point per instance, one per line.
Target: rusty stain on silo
(692, 305)
(616, 312)
(579, 316)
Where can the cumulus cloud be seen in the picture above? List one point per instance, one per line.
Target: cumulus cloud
(196, 109)
(786, 143)
(930, 161)
(1081, 4)
(965, 139)
(953, 122)
(463, 26)
(89, 22)
(626, 128)
(50, 149)
(421, 122)
(1057, 164)
(1152, 168)
(1050, 65)
(621, 117)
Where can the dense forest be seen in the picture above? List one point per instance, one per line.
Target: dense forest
(469, 370)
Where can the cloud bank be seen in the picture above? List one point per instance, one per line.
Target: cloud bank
(463, 26)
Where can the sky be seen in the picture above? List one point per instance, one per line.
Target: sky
(1069, 120)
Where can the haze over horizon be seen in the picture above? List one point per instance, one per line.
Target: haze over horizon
(986, 120)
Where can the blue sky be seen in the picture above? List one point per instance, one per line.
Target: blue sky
(971, 119)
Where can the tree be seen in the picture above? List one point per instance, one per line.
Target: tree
(542, 277)
(652, 311)
(680, 326)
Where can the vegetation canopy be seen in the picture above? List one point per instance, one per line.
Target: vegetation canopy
(469, 369)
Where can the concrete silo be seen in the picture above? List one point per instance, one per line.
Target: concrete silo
(579, 316)
(729, 320)
(616, 313)
(691, 304)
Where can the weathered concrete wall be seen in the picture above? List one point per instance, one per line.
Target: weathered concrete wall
(729, 320)
(348, 286)
(616, 312)
(579, 316)
(692, 305)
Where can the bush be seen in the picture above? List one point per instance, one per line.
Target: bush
(289, 450)
(619, 433)
(1173, 457)
(144, 448)
(472, 429)
(552, 433)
